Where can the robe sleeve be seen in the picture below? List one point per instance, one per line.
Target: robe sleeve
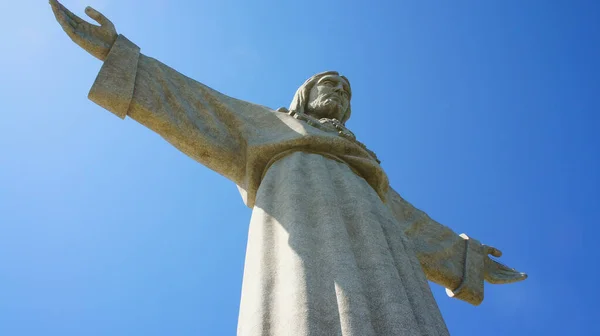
(206, 125)
(448, 259)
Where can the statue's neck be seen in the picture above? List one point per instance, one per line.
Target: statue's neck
(329, 125)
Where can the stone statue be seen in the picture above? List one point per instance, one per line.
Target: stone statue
(332, 248)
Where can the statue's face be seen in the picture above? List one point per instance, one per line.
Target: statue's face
(329, 98)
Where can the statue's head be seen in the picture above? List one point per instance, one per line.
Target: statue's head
(324, 95)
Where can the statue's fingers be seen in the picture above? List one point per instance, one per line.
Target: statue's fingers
(56, 10)
(504, 275)
(99, 17)
(67, 12)
(497, 278)
(54, 4)
(512, 273)
(493, 251)
(500, 266)
(66, 24)
(69, 20)
(514, 276)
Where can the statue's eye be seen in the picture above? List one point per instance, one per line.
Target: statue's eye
(328, 82)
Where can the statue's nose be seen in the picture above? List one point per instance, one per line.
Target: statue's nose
(339, 88)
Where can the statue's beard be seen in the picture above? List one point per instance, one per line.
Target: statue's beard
(325, 108)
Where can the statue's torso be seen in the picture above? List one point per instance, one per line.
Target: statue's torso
(284, 134)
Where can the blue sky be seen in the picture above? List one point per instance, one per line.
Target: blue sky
(484, 114)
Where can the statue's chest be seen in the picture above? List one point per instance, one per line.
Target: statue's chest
(331, 128)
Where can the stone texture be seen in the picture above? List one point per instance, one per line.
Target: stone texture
(332, 249)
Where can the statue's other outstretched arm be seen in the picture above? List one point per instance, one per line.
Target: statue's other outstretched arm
(457, 262)
(208, 126)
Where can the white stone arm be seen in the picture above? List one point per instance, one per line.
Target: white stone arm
(448, 259)
(206, 125)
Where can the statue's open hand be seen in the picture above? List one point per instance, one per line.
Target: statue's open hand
(97, 40)
(496, 273)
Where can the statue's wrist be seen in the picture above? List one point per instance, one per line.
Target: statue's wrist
(113, 88)
(107, 50)
(471, 286)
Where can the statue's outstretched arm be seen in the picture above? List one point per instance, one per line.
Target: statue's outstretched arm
(457, 262)
(208, 126)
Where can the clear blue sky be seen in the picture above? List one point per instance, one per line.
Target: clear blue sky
(484, 113)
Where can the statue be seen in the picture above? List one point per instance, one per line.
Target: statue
(332, 248)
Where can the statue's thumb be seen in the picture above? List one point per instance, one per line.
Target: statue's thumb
(97, 16)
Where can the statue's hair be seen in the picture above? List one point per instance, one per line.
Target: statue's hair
(300, 101)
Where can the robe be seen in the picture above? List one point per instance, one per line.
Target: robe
(332, 249)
